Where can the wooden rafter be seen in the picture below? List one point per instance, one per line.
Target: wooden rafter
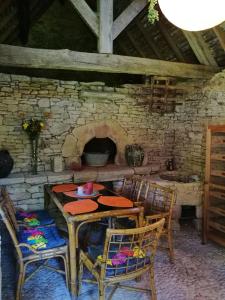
(170, 41)
(87, 14)
(127, 16)
(135, 44)
(22, 57)
(200, 48)
(147, 40)
(220, 33)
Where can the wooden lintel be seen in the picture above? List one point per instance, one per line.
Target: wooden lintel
(220, 33)
(87, 14)
(127, 16)
(105, 41)
(200, 48)
(23, 57)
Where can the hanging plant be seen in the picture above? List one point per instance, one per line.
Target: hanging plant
(153, 14)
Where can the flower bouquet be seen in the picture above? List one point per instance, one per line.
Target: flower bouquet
(33, 128)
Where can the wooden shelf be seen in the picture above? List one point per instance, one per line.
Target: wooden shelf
(219, 157)
(214, 200)
(217, 237)
(217, 210)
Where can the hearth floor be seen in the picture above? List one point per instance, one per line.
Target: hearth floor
(197, 274)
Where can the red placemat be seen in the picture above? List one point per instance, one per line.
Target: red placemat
(115, 201)
(59, 188)
(74, 194)
(80, 206)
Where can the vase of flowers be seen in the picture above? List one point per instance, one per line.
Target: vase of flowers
(33, 128)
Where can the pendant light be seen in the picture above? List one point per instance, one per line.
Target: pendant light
(193, 15)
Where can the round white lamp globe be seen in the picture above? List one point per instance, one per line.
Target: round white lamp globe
(193, 15)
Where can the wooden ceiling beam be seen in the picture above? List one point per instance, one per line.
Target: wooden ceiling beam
(87, 14)
(170, 42)
(105, 41)
(127, 16)
(23, 57)
(220, 33)
(200, 48)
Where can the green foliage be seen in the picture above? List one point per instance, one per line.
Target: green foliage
(153, 14)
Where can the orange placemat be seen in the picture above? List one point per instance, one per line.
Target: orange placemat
(80, 206)
(75, 195)
(59, 188)
(115, 201)
(98, 187)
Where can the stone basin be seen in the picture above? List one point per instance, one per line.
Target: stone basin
(188, 190)
(179, 177)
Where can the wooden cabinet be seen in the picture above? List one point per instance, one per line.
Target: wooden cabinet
(214, 200)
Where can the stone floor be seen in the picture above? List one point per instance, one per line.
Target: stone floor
(197, 274)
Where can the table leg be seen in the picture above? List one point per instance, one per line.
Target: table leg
(72, 259)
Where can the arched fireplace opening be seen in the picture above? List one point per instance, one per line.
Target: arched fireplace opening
(97, 146)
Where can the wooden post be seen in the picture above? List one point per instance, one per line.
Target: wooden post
(105, 41)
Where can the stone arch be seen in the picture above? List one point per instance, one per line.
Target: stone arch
(73, 146)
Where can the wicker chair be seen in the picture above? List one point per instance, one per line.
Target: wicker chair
(26, 254)
(42, 215)
(159, 202)
(127, 254)
(132, 186)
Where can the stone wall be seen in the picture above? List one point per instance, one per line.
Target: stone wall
(194, 111)
(69, 105)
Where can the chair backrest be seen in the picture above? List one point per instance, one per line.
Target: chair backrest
(159, 199)
(132, 187)
(10, 222)
(130, 252)
(9, 205)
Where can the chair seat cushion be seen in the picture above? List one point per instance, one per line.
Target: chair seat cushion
(40, 239)
(42, 216)
(122, 261)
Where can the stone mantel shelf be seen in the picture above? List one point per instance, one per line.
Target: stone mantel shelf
(107, 173)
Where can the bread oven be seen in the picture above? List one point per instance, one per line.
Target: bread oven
(96, 137)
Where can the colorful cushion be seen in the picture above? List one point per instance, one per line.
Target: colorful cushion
(127, 259)
(42, 216)
(45, 235)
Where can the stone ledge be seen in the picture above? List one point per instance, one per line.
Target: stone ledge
(107, 173)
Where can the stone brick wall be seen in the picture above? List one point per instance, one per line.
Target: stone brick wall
(194, 112)
(70, 104)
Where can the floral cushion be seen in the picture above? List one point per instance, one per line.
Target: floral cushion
(40, 239)
(42, 216)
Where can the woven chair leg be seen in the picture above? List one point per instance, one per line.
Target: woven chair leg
(80, 275)
(20, 282)
(101, 290)
(170, 244)
(152, 284)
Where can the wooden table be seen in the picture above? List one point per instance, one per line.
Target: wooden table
(74, 223)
